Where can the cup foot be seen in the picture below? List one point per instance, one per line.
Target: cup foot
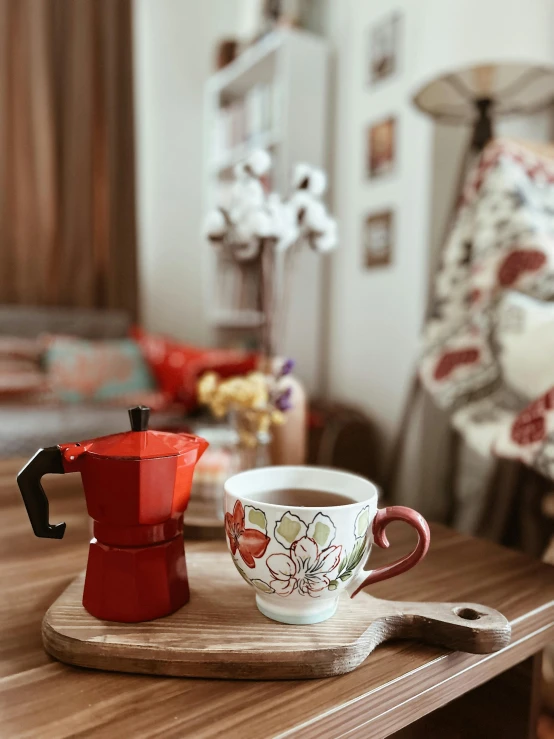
(297, 616)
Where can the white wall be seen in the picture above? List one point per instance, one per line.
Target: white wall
(376, 314)
(373, 317)
(174, 47)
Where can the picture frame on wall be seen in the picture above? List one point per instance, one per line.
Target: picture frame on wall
(383, 48)
(378, 238)
(381, 148)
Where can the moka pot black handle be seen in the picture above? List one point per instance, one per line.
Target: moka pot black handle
(45, 461)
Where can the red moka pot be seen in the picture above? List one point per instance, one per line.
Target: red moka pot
(137, 486)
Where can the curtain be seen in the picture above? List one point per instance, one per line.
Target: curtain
(67, 198)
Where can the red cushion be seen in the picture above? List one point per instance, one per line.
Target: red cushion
(177, 367)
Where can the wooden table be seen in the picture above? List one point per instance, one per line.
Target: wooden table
(403, 690)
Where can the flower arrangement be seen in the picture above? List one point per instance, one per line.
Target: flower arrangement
(257, 401)
(266, 230)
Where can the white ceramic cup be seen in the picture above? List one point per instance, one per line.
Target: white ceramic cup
(299, 559)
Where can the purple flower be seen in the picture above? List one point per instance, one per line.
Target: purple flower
(287, 368)
(283, 401)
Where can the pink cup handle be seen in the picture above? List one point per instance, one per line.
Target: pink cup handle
(380, 523)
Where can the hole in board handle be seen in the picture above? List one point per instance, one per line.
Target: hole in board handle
(468, 614)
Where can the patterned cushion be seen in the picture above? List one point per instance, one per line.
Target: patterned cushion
(529, 437)
(82, 371)
(20, 373)
(525, 338)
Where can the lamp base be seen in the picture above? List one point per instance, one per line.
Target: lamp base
(483, 126)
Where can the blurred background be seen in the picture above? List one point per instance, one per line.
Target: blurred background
(121, 128)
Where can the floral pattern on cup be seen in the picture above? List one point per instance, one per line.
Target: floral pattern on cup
(306, 567)
(311, 565)
(260, 585)
(250, 541)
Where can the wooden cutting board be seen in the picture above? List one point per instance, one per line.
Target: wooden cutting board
(221, 634)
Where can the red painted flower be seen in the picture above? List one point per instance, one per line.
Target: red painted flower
(450, 360)
(517, 263)
(530, 426)
(528, 430)
(251, 543)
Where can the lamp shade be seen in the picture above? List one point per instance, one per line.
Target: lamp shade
(502, 50)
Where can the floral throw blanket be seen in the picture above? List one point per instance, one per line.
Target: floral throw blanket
(488, 353)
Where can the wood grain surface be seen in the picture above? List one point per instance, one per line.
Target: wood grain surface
(398, 684)
(221, 633)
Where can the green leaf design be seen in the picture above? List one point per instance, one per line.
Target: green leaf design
(289, 528)
(362, 522)
(322, 530)
(262, 586)
(333, 585)
(352, 560)
(255, 519)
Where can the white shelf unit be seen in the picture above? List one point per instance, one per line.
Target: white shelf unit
(294, 65)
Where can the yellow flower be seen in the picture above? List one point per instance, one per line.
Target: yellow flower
(207, 386)
(219, 408)
(264, 422)
(248, 439)
(246, 392)
(278, 418)
(257, 378)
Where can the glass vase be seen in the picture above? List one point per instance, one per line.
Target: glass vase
(252, 448)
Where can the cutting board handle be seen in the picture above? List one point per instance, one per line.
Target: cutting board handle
(467, 627)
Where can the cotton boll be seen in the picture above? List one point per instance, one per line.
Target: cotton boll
(326, 242)
(287, 239)
(310, 179)
(259, 162)
(247, 193)
(274, 200)
(328, 238)
(274, 204)
(239, 171)
(331, 229)
(288, 232)
(215, 225)
(278, 213)
(316, 217)
(288, 217)
(318, 182)
(331, 226)
(260, 223)
(288, 227)
(246, 196)
(301, 175)
(300, 202)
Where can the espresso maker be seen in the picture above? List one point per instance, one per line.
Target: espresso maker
(137, 486)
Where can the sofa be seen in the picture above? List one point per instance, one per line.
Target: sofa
(25, 425)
